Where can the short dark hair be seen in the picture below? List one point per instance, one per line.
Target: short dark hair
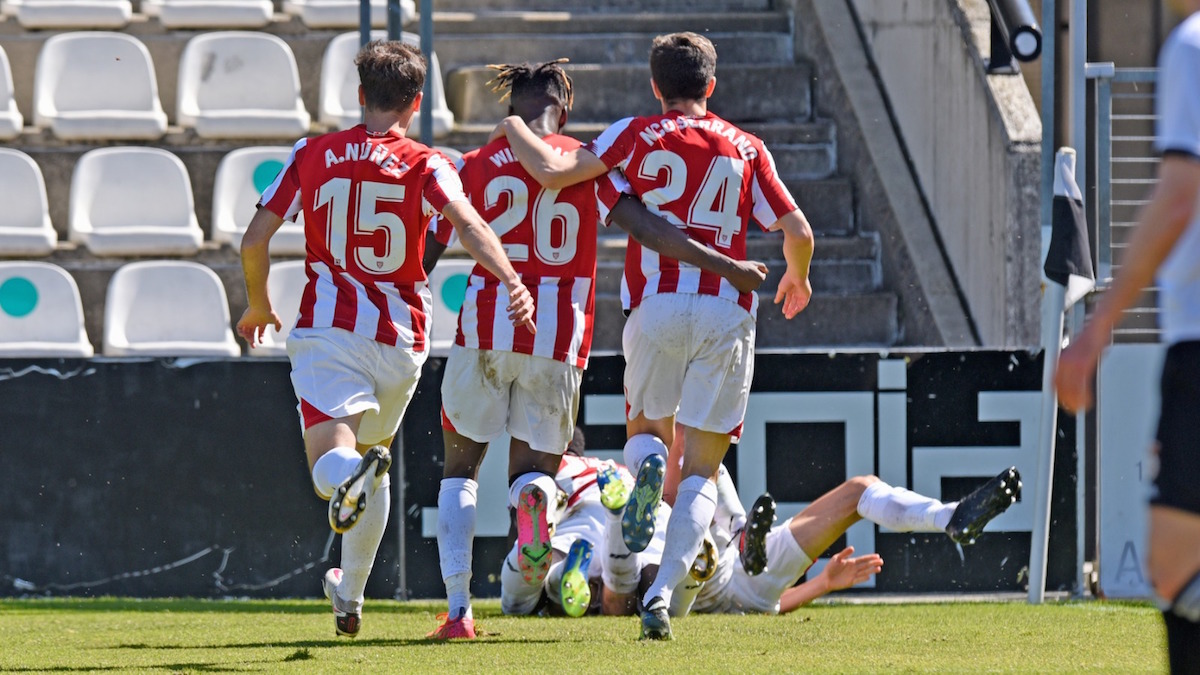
(533, 87)
(682, 65)
(392, 74)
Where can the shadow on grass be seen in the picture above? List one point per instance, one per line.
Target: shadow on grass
(169, 667)
(224, 606)
(371, 643)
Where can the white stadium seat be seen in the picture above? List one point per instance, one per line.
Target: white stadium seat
(40, 312)
(177, 14)
(133, 201)
(167, 308)
(285, 286)
(25, 227)
(338, 104)
(240, 84)
(345, 13)
(97, 85)
(11, 120)
(447, 284)
(72, 14)
(241, 178)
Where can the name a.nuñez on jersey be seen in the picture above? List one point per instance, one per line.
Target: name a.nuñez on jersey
(657, 130)
(368, 152)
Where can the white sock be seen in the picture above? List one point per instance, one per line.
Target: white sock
(731, 515)
(517, 596)
(693, 513)
(456, 534)
(641, 446)
(360, 545)
(621, 569)
(684, 596)
(546, 483)
(333, 468)
(903, 510)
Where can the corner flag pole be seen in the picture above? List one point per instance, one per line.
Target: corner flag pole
(1068, 278)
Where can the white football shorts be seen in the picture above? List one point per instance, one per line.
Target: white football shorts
(341, 373)
(691, 356)
(533, 398)
(732, 591)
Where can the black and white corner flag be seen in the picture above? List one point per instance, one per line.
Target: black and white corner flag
(1069, 260)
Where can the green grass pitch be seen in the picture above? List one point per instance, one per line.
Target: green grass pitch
(198, 636)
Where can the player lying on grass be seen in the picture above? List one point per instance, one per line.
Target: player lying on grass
(718, 581)
(500, 378)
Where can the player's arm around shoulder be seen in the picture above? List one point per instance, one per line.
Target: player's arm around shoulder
(484, 246)
(256, 266)
(795, 289)
(549, 167)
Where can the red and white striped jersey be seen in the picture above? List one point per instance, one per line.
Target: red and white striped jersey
(367, 199)
(550, 238)
(707, 177)
(577, 477)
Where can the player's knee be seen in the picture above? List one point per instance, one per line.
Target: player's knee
(641, 446)
(1186, 603)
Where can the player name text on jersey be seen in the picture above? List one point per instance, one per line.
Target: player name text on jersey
(657, 130)
(366, 151)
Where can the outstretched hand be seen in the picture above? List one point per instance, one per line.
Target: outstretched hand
(794, 292)
(842, 571)
(1076, 368)
(253, 324)
(521, 308)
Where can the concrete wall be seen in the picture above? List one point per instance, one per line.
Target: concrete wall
(973, 140)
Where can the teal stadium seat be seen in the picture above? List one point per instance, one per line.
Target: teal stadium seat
(448, 285)
(167, 308)
(40, 312)
(241, 178)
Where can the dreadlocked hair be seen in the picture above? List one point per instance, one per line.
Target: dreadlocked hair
(525, 79)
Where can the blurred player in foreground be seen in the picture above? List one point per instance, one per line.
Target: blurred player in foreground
(589, 531)
(500, 379)
(1166, 245)
(362, 334)
(689, 339)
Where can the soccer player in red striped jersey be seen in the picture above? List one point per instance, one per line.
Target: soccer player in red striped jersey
(362, 333)
(689, 340)
(499, 379)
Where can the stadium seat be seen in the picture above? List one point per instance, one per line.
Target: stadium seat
(11, 120)
(97, 86)
(41, 314)
(285, 286)
(184, 14)
(25, 227)
(72, 14)
(167, 308)
(241, 178)
(240, 84)
(345, 13)
(338, 103)
(133, 201)
(448, 284)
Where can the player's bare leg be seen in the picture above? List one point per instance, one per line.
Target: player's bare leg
(1174, 564)
(457, 500)
(823, 521)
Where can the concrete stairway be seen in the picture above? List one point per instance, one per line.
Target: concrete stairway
(762, 87)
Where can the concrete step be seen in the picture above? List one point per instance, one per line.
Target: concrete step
(619, 46)
(609, 6)
(603, 93)
(853, 320)
(479, 21)
(840, 265)
(828, 204)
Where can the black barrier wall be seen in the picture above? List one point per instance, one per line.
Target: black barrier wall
(168, 478)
